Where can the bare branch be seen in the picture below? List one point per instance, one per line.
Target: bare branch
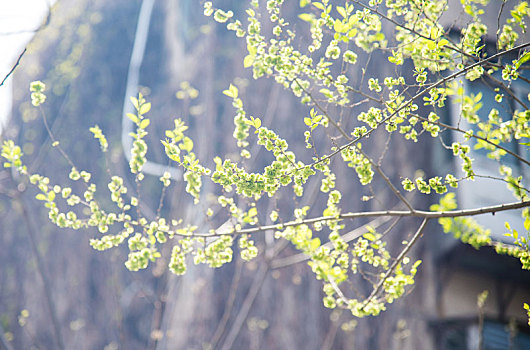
(221, 326)
(44, 276)
(245, 308)
(13, 68)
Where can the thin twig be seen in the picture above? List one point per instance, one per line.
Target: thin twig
(348, 237)
(337, 290)
(507, 89)
(42, 273)
(396, 262)
(245, 308)
(228, 307)
(13, 68)
(55, 143)
(348, 137)
(458, 129)
(387, 180)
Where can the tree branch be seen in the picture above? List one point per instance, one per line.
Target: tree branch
(245, 308)
(45, 281)
(396, 213)
(221, 326)
(419, 94)
(13, 68)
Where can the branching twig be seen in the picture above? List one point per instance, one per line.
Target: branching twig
(418, 95)
(45, 281)
(228, 307)
(458, 129)
(387, 180)
(348, 237)
(396, 262)
(245, 308)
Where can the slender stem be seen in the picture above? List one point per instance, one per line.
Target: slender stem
(245, 308)
(13, 68)
(45, 281)
(221, 327)
(507, 89)
(398, 260)
(338, 291)
(387, 180)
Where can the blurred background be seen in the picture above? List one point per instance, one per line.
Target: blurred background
(56, 292)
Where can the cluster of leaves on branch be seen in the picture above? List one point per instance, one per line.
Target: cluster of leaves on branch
(343, 36)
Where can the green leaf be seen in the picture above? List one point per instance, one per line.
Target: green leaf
(319, 6)
(315, 243)
(522, 60)
(133, 117)
(307, 121)
(369, 236)
(338, 27)
(146, 107)
(431, 45)
(252, 212)
(186, 144)
(248, 61)
(231, 91)
(144, 123)
(341, 11)
(434, 33)
(41, 197)
(326, 93)
(307, 17)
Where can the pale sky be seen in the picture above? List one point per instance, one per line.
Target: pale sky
(18, 18)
